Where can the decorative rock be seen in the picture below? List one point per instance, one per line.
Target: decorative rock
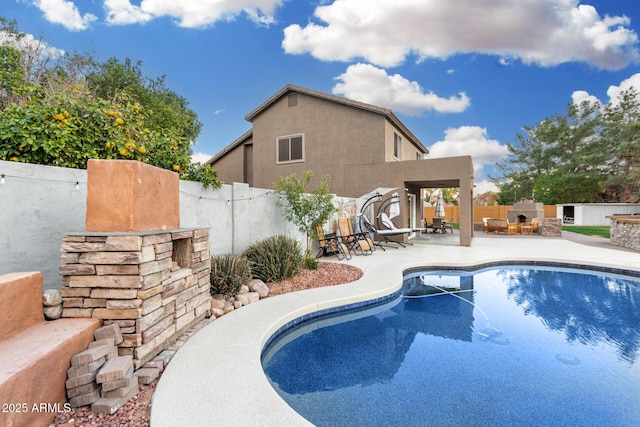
(217, 303)
(217, 312)
(248, 298)
(228, 308)
(53, 313)
(257, 285)
(243, 289)
(51, 297)
(237, 304)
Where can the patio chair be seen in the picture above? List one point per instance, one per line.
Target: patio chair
(362, 235)
(350, 239)
(331, 245)
(387, 223)
(428, 226)
(438, 225)
(384, 234)
(535, 225)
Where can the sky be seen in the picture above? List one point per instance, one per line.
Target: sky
(465, 76)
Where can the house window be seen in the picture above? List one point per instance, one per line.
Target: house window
(397, 146)
(290, 149)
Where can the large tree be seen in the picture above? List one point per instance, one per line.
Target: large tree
(78, 109)
(561, 160)
(620, 141)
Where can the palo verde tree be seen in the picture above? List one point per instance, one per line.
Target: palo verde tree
(305, 209)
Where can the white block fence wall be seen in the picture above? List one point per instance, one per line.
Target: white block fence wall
(40, 204)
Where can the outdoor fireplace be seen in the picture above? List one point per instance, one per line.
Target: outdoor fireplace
(134, 265)
(525, 212)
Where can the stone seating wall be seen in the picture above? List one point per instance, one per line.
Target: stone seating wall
(551, 227)
(34, 354)
(625, 231)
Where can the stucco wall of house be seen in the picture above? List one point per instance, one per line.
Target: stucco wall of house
(230, 168)
(409, 150)
(415, 174)
(335, 136)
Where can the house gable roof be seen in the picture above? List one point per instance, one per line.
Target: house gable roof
(243, 138)
(340, 100)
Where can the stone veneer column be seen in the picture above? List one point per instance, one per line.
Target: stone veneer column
(154, 285)
(625, 231)
(551, 227)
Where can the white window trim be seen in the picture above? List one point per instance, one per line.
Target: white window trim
(278, 162)
(397, 138)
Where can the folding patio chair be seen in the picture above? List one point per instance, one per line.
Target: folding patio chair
(331, 245)
(353, 241)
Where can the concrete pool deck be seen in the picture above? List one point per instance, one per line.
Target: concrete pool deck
(216, 378)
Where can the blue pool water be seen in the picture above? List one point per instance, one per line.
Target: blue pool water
(507, 346)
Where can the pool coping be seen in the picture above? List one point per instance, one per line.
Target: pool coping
(216, 377)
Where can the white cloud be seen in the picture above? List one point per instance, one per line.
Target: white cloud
(580, 96)
(543, 32)
(28, 43)
(122, 12)
(481, 187)
(614, 91)
(366, 83)
(469, 141)
(65, 13)
(200, 157)
(191, 14)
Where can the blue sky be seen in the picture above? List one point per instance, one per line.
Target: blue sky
(465, 76)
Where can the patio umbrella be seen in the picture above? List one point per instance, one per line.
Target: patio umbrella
(439, 206)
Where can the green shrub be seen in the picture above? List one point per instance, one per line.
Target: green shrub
(275, 258)
(228, 273)
(311, 262)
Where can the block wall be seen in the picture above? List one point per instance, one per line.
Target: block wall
(154, 285)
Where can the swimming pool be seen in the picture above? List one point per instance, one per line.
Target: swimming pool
(512, 345)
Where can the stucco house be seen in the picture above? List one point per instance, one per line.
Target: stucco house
(361, 147)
